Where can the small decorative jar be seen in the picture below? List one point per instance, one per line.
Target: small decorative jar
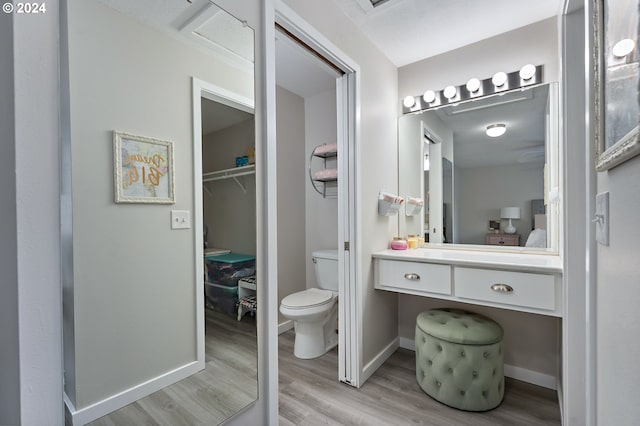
(398, 243)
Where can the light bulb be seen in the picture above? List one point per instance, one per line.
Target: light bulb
(499, 79)
(429, 96)
(527, 72)
(450, 92)
(473, 85)
(623, 48)
(496, 130)
(409, 101)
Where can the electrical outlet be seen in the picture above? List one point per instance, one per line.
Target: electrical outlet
(180, 219)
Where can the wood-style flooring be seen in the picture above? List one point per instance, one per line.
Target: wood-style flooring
(310, 394)
(226, 385)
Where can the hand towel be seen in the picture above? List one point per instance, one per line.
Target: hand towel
(326, 149)
(326, 174)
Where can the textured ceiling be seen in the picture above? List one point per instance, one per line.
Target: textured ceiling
(407, 31)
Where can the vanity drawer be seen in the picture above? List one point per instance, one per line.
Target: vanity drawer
(511, 288)
(427, 277)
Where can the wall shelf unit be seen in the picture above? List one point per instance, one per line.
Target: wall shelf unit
(321, 179)
(232, 173)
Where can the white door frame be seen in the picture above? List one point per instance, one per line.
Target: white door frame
(202, 89)
(349, 232)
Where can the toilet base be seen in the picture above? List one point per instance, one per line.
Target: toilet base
(314, 339)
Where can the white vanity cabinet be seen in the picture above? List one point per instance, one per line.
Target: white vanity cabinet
(521, 282)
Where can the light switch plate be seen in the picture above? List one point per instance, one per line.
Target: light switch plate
(602, 218)
(180, 219)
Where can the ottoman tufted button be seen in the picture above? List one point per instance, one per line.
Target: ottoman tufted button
(474, 374)
(450, 370)
(439, 348)
(462, 392)
(429, 362)
(462, 354)
(485, 354)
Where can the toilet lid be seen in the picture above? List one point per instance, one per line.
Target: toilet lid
(307, 298)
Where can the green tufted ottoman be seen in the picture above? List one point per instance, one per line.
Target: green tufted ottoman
(459, 359)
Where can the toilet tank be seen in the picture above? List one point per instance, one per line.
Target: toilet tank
(325, 262)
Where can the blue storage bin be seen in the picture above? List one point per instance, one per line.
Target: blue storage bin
(227, 269)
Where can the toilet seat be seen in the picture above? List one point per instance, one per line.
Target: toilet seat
(310, 298)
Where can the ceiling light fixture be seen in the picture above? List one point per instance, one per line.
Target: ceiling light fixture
(473, 85)
(409, 101)
(499, 79)
(623, 48)
(450, 92)
(527, 72)
(495, 130)
(429, 96)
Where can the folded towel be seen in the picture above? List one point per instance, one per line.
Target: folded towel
(326, 149)
(326, 174)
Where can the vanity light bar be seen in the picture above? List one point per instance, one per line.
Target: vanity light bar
(500, 82)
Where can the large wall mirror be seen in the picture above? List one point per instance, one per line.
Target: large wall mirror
(482, 189)
(154, 331)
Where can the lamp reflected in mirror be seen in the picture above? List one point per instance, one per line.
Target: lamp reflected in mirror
(510, 213)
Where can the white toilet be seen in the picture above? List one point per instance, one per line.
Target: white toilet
(314, 311)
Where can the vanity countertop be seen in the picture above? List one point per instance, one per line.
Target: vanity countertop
(532, 262)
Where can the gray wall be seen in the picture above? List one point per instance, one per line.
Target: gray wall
(483, 191)
(321, 214)
(229, 212)
(618, 294)
(291, 193)
(134, 293)
(377, 166)
(538, 44)
(9, 350)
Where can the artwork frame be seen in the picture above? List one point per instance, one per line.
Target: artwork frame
(143, 169)
(616, 88)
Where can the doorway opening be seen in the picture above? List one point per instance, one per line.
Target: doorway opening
(315, 110)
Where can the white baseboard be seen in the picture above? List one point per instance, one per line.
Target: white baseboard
(378, 360)
(407, 343)
(540, 379)
(119, 400)
(560, 400)
(285, 326)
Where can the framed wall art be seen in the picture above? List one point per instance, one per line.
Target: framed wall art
(617, 90)
(143, 169)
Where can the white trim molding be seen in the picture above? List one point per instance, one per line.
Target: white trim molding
(380, 359)
(126, 397)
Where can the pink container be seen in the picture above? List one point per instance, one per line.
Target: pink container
(399, 244)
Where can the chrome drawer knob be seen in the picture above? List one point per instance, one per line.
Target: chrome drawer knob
(502, 288)
(412, 277)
